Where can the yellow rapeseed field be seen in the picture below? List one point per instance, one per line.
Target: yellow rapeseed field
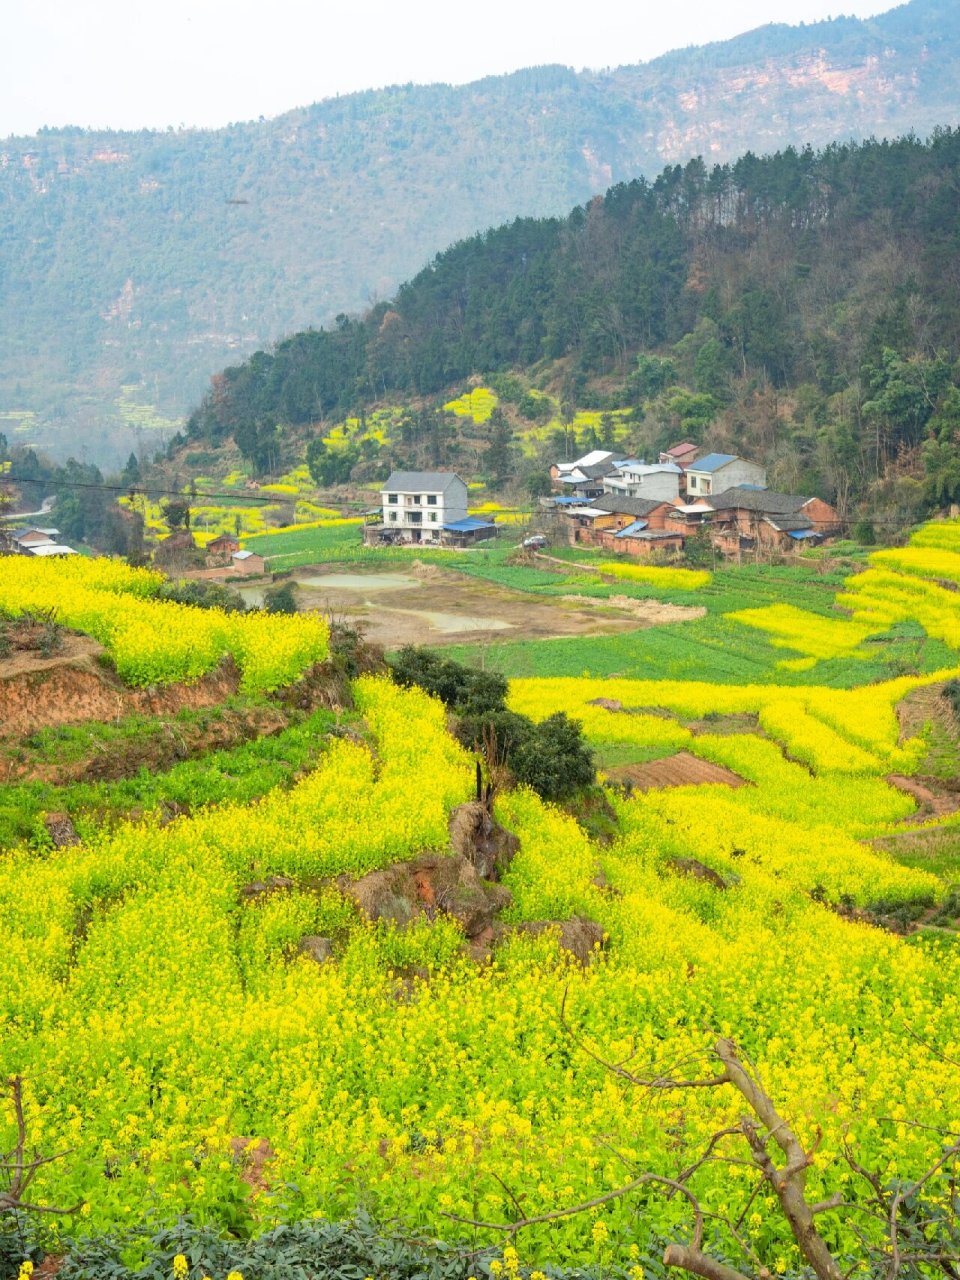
(163, 1018)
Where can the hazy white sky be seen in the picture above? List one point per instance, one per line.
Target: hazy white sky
(133, 63)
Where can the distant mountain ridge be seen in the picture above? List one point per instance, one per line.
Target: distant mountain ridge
(148, 260)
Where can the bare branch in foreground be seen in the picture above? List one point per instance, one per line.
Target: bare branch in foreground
(22, 1170)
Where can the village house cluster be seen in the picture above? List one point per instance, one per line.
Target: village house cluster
(641, 508)
(224, 553)
(33, 542)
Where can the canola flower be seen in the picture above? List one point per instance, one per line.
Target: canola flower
(158, 1014)
(815, 637)
(186, 1016)
(332, 521)
(477, 404)
(942, 534)
(846, 731)
(654, 575)
(917, 583)
(156, 642)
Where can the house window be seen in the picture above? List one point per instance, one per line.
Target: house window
(393, 515)
(433, 516)
(431, 500)
(391, 497)
(416, 499)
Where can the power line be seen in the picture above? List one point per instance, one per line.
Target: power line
(195, 499)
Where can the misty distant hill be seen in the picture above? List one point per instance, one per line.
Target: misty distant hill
(132, 265)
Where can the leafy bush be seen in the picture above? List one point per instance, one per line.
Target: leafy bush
(333, 1250)
(202, 594)
(281, 599)
(460, 688)
(550, 757)
(864, 533)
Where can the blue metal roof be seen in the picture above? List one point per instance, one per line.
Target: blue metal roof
(802, 533)
(636, 527)
(470, 525)
(571, 500)
(713, 462)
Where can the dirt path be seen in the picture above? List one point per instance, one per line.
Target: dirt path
(934, 798)
(936, 784)
(923, 706)
(651, 612)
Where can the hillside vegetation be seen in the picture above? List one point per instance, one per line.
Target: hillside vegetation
(134, 264)
(800, 308)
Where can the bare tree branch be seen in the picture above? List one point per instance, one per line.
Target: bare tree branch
(898, 1199)
(646, 1179)
(22, 1170)
(789, 1182)
(699, 1263)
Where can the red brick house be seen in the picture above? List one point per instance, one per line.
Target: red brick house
(607, 517)
(745, 519)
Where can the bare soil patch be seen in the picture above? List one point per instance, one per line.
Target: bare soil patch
(651, 612)
(726, 726)
(935, 798)
(445, 607)
(679, 770)
(30, 657)
(36, 693)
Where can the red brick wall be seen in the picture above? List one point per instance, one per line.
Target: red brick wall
(821, 514)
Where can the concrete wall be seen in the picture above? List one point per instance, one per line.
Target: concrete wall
(652, 484)
(737, 472)
(434, 509)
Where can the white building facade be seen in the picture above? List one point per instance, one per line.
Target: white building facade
(417, 504)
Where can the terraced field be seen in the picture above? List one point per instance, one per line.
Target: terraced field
(273, 984)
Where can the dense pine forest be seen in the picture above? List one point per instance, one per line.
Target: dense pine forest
(802, 306)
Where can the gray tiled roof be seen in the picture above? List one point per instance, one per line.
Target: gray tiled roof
(789, 523)
(764, 501)
(625, 506)
(421, 481)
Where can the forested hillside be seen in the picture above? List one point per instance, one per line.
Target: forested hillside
(133, 264)
(803, 308)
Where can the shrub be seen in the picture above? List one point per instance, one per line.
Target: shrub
(282, 599)
(550, 757)
(460, 688)
(203, 594)
(864, 533)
